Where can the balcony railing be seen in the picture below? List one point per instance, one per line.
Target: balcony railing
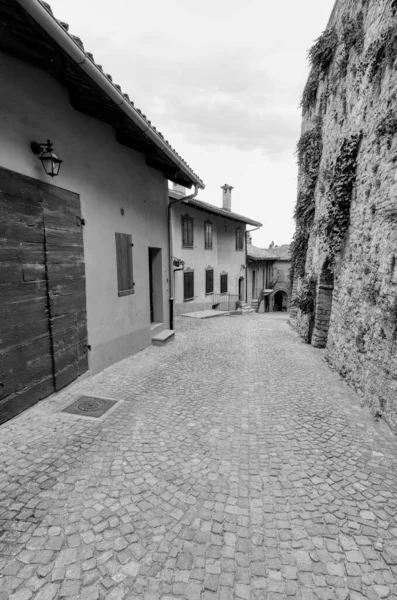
(225, 301)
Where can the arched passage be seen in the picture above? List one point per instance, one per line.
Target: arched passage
(280, 302)
(323, 308)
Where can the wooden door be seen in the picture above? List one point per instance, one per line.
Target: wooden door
(43, 333)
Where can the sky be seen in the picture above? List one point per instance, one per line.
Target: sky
(222, 80)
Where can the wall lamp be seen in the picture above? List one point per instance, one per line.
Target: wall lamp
(50, 161)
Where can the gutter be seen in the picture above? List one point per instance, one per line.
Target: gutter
(171, 250)
(51, 26)
(246, 268)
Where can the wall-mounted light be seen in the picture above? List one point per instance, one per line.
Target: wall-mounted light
(50, 161)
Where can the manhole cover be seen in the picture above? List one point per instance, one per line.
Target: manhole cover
(88, 406)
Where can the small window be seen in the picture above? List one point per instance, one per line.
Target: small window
(188, 285)
(209, 281)
(224, 283)
(187, 231)
(125, 280)
(239, 239)
(208, 235)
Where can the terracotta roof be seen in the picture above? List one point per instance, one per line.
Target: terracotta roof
(277, 253)
(216, 210)
(123, 97)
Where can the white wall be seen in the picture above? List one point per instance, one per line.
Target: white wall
(108, 177)
(222, 258)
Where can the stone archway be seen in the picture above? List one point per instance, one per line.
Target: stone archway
(280, 301)
(323, 308)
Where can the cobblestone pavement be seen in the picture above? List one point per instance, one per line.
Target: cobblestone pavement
(236, 465)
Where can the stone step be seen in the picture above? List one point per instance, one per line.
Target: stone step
(165, 336)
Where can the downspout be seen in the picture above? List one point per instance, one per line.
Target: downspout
(171, 250)
(246, 264)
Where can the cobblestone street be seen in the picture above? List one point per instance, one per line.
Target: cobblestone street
(235, 465)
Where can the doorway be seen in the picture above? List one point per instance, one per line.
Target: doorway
(155, 285)
(43, 330)
(280, 301)
(253, 285)
(241, 289)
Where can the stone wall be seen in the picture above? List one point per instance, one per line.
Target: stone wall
(356, 313)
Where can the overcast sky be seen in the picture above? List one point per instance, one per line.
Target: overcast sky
(222, 80)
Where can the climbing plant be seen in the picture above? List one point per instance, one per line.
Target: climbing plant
(333, 226)
(320, 55)
(381, 53)
(353, 34)
(387, 126)
(305, 297)
(309, 152)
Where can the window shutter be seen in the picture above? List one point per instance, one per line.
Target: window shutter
(209, 281)
(188, 285)
(224, 283)
(125, 280)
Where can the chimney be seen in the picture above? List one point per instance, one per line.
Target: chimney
(227, 197)
(179, 189)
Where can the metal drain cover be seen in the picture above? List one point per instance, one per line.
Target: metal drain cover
(89, 406)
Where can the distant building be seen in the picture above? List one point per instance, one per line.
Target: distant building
(268, 277)
(209, 245)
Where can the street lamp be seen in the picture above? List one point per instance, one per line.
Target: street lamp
(50, 161)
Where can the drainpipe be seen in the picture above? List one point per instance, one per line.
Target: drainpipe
(171, 250)
(246, 267)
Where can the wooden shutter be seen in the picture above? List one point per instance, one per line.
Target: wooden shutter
(188, 285)
(209, 281)
(187, 231)
(224, 284)
(208, 235)
(239, 239)
(125, 281)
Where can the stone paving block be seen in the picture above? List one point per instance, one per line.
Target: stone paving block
(237, 467)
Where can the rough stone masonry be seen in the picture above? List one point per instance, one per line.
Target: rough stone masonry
(345, 245)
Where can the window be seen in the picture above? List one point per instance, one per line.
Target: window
(125, 280)
(224, 283)
(187, 231)
(188, 285)
(239, 239)
(209, 281)
(208, 235)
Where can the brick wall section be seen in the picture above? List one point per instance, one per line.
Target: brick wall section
(362, 315)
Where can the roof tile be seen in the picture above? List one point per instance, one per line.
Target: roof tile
(79, 42)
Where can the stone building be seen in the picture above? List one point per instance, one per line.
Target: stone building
(268, 277)
(84, 249)
(209, 243)
(345, 245)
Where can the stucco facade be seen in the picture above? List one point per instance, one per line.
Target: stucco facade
(225, 257)
(108, 177)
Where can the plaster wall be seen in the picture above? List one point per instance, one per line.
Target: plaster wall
(223, 258)
(362, 335)
(108, 177)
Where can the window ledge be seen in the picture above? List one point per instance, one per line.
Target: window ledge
(188, 299)
(126, 292)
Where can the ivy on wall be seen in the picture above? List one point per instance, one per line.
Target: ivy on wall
(353, 35)
(387, 126)
(333, 226)
(321, 55)
(381, 54)
(309, 152)
(305, 297)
